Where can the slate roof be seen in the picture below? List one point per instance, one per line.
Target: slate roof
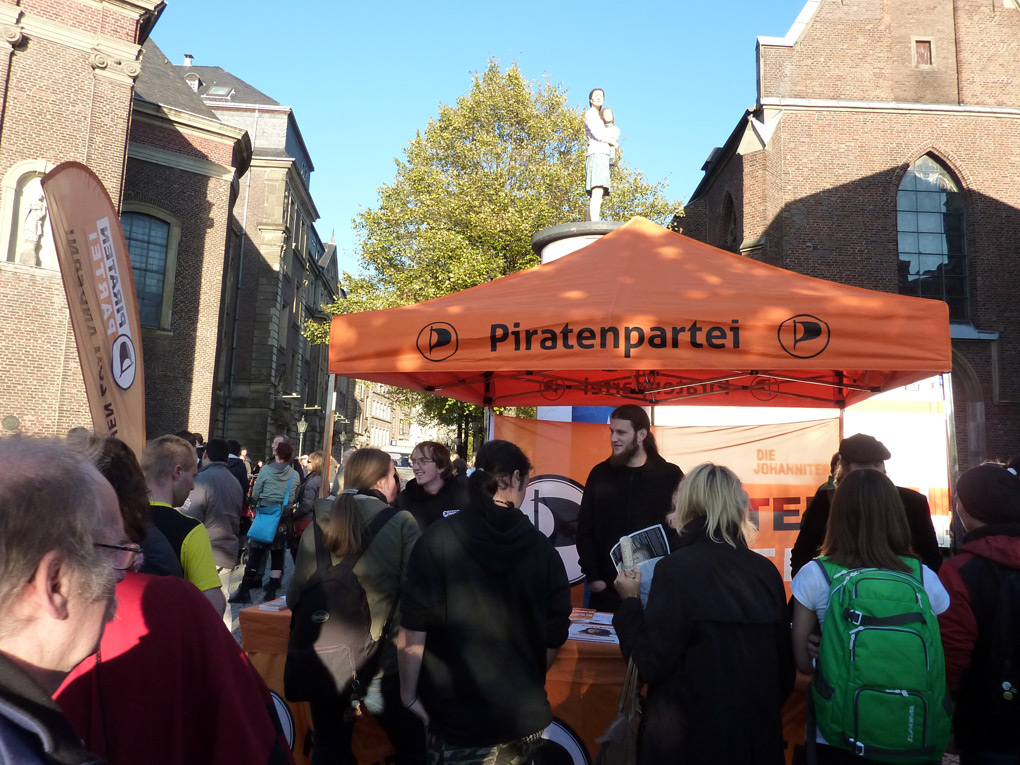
(270, 152)
(215, 76)
(327, 254)
(161, 83)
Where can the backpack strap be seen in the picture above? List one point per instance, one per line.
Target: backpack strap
(322, 556)
(920, 570)
(380, 520)
(828, 579)
(861, 750)
(286, 494)
(324, 560)
(898, 620)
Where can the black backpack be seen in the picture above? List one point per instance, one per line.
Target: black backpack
(999, 681)
(330, 652)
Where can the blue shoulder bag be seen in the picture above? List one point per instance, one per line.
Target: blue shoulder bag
(267, 519)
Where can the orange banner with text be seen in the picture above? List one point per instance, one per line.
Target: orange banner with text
(96, 271)
(781, 467)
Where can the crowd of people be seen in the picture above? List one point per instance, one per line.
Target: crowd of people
(912, 646)
(467, 603)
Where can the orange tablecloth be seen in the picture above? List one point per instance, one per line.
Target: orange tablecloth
(583, 686)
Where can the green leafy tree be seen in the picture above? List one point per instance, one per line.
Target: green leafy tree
(505, 161)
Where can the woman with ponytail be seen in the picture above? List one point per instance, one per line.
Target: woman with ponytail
(371, 485)
(485, 608)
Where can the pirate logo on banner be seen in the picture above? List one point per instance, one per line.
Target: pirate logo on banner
(552, 503)
(562, 746)
(285, 717)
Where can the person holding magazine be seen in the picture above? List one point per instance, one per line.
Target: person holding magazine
(713, 643)
(879, 688)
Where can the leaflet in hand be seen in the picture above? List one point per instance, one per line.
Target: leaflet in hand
(646, 544)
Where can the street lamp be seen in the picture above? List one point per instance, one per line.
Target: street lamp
(302, 426)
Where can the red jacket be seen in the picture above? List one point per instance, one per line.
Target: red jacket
(172, 685)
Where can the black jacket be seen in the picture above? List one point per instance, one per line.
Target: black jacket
(492, 600)
(982, 721)
(816, 519)
(714, 647)
(32, 727)
(429, 508)
(618, 501)
(239, 470)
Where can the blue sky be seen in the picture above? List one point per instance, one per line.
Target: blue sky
(363, 78)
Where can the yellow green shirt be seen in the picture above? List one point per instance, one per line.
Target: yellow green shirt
(190, 541)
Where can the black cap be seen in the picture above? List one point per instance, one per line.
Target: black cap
(862, 448)
(990, 493)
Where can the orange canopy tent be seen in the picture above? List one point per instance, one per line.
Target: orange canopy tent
(646, 315)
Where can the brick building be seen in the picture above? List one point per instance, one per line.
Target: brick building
(67, 75)
(270, 376)
(184, 168)
(883, 152)
(227, 262)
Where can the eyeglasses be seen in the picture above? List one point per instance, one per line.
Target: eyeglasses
(422, 461)
(125, 557)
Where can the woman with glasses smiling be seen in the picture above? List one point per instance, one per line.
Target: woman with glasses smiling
(434, 492)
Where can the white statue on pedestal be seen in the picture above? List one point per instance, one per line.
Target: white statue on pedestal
(602, 141)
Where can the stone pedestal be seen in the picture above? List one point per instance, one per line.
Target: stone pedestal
(556, 241)
(552, 243)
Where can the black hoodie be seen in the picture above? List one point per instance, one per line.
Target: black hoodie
(429, 508)
(491, 602)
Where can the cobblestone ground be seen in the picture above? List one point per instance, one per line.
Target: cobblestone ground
(257, 596)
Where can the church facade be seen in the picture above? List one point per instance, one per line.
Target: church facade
(883, 152)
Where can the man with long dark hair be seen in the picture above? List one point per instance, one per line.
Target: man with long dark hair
(629, 491)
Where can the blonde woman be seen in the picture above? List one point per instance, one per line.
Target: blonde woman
(713, 643)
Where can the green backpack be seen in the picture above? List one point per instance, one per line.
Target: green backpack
(879, 688)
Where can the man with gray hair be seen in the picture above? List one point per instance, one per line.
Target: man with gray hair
(63, 550)
(215, 501)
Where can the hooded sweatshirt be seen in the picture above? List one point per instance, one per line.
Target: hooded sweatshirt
(972, 580)
(271, 487)
(491, 601)
(429, 508)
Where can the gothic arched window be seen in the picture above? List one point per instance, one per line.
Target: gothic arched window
(932, 237)
(730, 229)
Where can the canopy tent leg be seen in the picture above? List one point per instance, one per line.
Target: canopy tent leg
(489, 423)
(952, 457)
(327, 437)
